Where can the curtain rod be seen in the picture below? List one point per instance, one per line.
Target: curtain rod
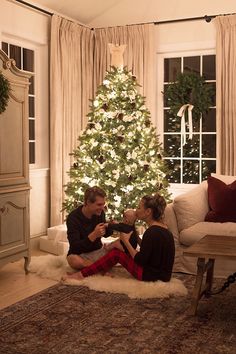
(207, 18)
(35, 7)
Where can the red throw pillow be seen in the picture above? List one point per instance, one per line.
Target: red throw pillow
(222, 201)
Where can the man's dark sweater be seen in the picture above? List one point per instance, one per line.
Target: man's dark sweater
(157, 253)
(78, 229)
(126, 228)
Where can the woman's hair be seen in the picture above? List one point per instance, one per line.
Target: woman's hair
(92, 192)
(156, 203)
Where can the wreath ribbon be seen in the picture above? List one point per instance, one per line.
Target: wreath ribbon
(181, 113)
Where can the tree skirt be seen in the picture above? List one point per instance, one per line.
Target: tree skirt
(54, 267)
(74, 319)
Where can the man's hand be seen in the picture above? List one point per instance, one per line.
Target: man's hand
(99, 230)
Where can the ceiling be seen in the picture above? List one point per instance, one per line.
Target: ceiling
(104, 13)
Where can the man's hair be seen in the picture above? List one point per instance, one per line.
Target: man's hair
(92, 192)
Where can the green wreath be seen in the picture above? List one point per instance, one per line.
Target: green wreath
(4, 93)
(190, 88)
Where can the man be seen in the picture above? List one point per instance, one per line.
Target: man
(85, 227)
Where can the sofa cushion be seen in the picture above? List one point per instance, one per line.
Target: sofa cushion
(191, 207)
(199, 230)
(224, 178)
(221, 199)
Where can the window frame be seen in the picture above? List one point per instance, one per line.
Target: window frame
(26, 45)
(179, 187)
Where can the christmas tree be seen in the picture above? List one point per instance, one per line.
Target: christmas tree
(119, 150)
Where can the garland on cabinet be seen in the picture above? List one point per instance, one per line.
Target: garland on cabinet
(4, 92)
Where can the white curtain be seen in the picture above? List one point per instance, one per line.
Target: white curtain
(139, 57)
(71, 68)
(226, 94)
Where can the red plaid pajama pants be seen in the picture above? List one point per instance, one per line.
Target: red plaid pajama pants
(109, 260)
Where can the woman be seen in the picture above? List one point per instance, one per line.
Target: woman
(155, 259)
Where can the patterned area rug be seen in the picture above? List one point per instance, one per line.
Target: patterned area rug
(74, 319)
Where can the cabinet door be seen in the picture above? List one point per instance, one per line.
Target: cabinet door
(14, 139)
(14, 221)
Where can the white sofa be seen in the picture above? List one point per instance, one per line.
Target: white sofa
(185, 218)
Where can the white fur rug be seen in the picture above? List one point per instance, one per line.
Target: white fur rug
(54, 267)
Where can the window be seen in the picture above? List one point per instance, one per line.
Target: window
(24, 59)
(193, 162)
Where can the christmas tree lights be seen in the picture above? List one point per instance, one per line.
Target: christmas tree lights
(119, 150)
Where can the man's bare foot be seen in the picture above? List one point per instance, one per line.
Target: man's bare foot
(76, 276)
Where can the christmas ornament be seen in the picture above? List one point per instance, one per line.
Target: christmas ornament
(91, 125)
(105, 106)
(120, 116)
(101, 159)
(120, 138)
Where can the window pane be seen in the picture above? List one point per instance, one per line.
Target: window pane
(28, 60)
(209, 67)
(208, 167)
(174, 168)
(5, 47)
(209, 121)
(209, 145)
(172, 145)
(171, 123)
(31, 107)
(15, 53)
(165, 98)
(196, 125)
(31, 152)
(190, 172)
(31, 129)
(172, 67)
(31, 86)
(192, 64)
(191, 148)
(213, 86)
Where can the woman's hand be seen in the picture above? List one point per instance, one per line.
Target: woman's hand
(125, 237)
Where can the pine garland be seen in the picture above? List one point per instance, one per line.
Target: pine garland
(190, 88)
(4, 93)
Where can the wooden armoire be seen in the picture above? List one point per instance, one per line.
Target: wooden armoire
(14, 167)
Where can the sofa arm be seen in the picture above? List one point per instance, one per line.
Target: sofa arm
(171, 222)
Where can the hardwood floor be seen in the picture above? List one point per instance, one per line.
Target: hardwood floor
(15, 285)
